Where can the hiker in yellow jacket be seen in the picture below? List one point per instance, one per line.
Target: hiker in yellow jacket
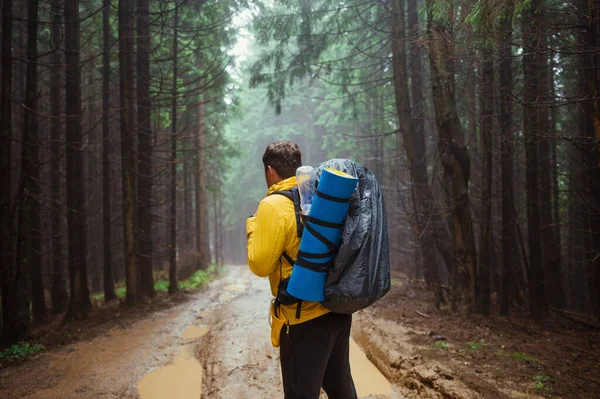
(313, 342)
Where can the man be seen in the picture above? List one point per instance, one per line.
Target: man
(314, 342)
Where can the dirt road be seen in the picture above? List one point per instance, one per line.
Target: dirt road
(215, 346)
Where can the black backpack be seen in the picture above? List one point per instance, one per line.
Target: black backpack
(360, 274)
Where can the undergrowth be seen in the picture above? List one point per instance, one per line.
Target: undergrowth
(19, 351)
(197, 280)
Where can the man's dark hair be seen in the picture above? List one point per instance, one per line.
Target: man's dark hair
(283, 156)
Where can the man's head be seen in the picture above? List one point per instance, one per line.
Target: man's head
(281, 159)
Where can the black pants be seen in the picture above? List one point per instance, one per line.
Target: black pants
(317, 353)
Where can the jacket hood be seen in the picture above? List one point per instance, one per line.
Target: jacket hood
(285, 184)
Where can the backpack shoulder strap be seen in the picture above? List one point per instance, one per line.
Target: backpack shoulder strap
(294, 196)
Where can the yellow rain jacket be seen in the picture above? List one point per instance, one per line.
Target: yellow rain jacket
(271, 232)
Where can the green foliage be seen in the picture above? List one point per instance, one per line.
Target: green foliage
(521, 6)
(523, 357)
(440, 9)
(199, 278)
(541, 383)
(19, 351)
(441, 345)
(161, 285)
(476, 345)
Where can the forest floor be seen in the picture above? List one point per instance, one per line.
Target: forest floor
(495, 357)
(216, 344)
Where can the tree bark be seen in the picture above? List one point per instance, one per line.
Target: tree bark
(77, 233)
(593, 208)
(454, 157)
(145, 151)
(200, 186)
(538, 305)
(219, 224)
(550, 249)
(29, 258)
(127, 162)
(173, 245)
(109, 285)
(487, 125)
(15, 310)
(59, 295)
(594, 171)
(216, 226)
(558, 273)
(509, 236)
(587, 177)
(415, 151)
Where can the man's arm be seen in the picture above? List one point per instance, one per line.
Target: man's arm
(266, 238)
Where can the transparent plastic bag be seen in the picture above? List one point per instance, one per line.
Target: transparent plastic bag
(305, 177)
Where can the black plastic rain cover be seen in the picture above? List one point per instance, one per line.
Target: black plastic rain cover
(361, 271)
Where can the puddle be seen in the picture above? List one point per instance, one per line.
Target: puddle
(181, 379)
(367, 378)
(194, 332)
(225, 297)
(235, 287)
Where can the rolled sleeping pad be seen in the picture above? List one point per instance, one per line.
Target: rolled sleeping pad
(322, 230)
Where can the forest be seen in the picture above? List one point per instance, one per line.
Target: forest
(132, 133)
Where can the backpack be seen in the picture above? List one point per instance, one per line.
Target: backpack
(360, 274)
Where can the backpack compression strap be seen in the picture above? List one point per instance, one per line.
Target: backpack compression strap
(305, 221)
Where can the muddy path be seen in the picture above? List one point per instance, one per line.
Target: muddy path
(247, 366)
(215, 346)
(107, 367)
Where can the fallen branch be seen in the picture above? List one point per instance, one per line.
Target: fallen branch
(421, 314)
(584, 378)
(569, 316)
(581, 350)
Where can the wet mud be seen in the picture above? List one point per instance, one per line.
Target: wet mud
(215, 346)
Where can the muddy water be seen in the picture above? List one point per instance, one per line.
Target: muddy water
(109, 366)
(180, 379)
(367, 378)
(225, 327)
(194, 332)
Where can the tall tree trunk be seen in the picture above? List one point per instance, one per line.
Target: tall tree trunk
(59, 285)
(531, 32)
(15, 312)
(89, 139)
(593, 208)
(145, 151)
(487, 125)
(415, 151)
(200, 188)
(187, 193)
(219, 223)
(550, 249)
(173, 245)
(418, 113)
(109, 285)
(509, 237)
(454, 157)
(216, 225)
(559, 275)
(29, 245)
(588, 173)
(127, 131)
(75, 184)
